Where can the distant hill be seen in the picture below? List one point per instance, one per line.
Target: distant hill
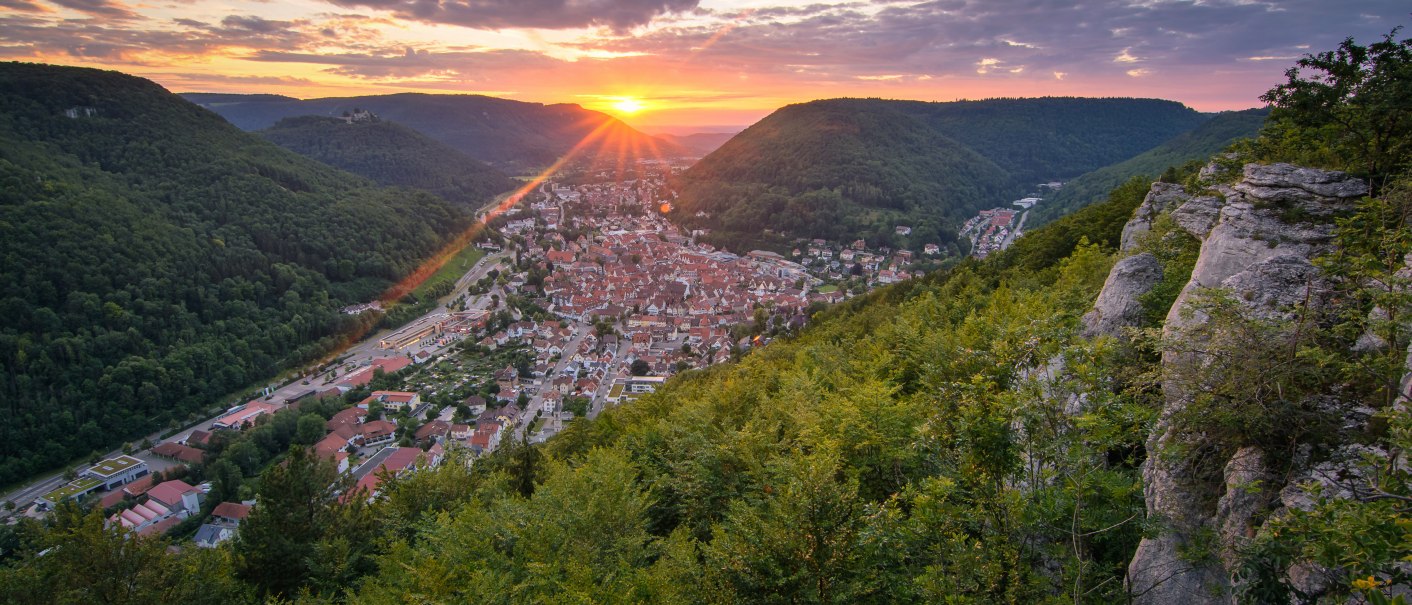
(1196, 145)
(391, 154)
(846, 168)
(699, 143)
(514, 136)
(157, 259)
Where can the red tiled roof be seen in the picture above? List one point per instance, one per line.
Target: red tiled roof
(392, 364)
(170, 492)
(112, 499)
(331, 444)
(352, 415)
(401, 459)
(138, 487)
(231, 510)
(378, 428)
(184, 453)
(246, 414)
(365, 375)
(435, 427)
(345, 431)
(368, 484)
(198, 438)
(159, 527)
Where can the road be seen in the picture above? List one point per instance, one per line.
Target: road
(361, 354)
(372, 463)
(527, 415)
(1010, 239)
(600, 398)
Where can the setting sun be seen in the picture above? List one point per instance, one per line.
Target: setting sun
(628, 105)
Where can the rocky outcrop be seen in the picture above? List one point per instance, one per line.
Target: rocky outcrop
(1198, 215)
(1161, 197)
(1322, 191)
(1248, 494)
(1119, 304)
(1258, 236)
(1274, 286)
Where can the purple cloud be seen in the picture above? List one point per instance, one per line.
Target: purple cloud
(549, 14)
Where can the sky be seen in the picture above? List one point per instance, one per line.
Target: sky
(679, 65)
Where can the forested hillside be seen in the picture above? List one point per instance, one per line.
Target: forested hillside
(156, 259)
(851, 168)
(1201, 143)
(1057, 137)
(391, 154)
(869, 460)
(513, 136)
(1196, 391)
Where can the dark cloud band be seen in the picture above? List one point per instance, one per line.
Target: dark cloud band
(548, 14)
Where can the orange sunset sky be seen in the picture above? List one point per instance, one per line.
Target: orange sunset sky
(660, 64)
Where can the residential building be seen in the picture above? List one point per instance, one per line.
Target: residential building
(243, 416)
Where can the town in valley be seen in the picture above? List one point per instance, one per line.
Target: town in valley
(582, 295)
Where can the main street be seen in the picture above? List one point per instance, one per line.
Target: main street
(1018, 230)
(527, 415)
(600, 397)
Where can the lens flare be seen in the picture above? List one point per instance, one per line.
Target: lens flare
(606, 144)
(628, 105)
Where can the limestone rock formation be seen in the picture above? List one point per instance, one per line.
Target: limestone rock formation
(1258, 239)
(1119, 304)
(1199, 215)
(1159, 198)
(1289, 183)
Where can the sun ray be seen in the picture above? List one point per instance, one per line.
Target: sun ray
(431, 265)
(629, 105)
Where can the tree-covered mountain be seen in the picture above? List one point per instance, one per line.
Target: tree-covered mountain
(157, 259)
(846, 168)
(1196, 145)
(391, 154)
(513, 136)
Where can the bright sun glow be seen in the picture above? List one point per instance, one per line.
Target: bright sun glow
(628, 105)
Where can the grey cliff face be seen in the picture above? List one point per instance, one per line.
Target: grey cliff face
(1119, 304)
(1199, 215)
(1161, 197)
(1258, 238)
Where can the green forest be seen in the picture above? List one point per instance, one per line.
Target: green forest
(156, 260)
(868, 460)
(847, 168)
(954, 438)
(391, 154)
(1197, 145)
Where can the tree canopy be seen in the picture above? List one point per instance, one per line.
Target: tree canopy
(157, 260)
(845, 169)
(391, 154)
(1350, 107)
